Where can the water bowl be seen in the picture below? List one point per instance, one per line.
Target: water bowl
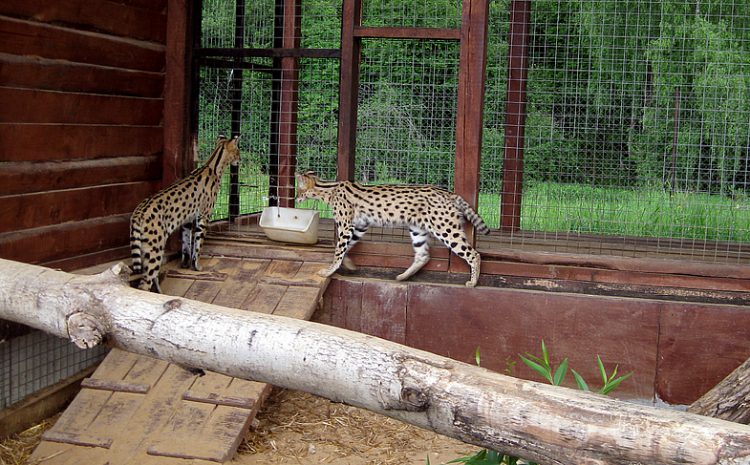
(294, 225)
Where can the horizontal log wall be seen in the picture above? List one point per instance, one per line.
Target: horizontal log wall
(677, 350)
(81, 125)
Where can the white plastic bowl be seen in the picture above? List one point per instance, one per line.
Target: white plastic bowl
(294, 225)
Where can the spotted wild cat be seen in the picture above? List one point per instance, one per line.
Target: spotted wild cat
(189, 203)
(424, 209)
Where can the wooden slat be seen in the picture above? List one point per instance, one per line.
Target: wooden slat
(21, 37)
(515, 114)
(108, 17)
(471, 87)
(34, 72)
(348, 89)
(177, 161)
(97, 257)
(241, 282)
(264, 298)
(25, 211)
(298, 302)
(28, 177)
(115, 386)
(384, 310)
(427, 33)
(39, 106)
(34, 142)
(67, 240)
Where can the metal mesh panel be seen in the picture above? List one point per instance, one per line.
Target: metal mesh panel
(637, 131)
(259, 104)
(421, 13)
(406, 131)
(37, 360)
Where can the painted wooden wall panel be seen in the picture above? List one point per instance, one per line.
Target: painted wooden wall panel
(677, 350)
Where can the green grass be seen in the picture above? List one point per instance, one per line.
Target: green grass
(576, 208)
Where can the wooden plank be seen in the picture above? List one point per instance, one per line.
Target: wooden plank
(41, 106)
(426, 33)
(572, 273)
(240, 282)
(645, 265)
(151, 415)
(515, 114)
(348, 88)
(384, 310)
(627, 330)
(270, 251)
(79, 414)
(75, 262)
(108, 17)
(470, 111)
(289, 104)
(115, 386)
(177, 93)
(35, 72)
(264, 298)
(25, 211)
(63, 241)
(711, 338)
(30, 142)
(298, 302)
(27, 177)
(21, 37)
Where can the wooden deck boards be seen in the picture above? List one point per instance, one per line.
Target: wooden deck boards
(139, 410)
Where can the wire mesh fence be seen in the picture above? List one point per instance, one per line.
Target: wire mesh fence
(637, 126)
(36, 360)
(263, 102)
(637, 122)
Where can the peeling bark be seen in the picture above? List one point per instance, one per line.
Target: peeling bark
(546, 424)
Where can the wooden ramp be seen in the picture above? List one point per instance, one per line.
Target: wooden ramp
(139, 410)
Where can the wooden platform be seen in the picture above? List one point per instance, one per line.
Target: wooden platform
(139, 410)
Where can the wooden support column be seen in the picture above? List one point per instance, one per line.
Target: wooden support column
(515, 115)
(470, 107)
(349, 88)
(175, 161)
(236, 98)
(289, 102)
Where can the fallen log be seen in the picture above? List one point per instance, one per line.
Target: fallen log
(546, 424)
(728, 400)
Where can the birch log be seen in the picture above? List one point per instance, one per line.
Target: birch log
(550, 425)
(728, 400)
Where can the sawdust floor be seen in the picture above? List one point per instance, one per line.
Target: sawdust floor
(298, 428)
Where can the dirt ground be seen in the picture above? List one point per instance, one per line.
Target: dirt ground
(298, 428)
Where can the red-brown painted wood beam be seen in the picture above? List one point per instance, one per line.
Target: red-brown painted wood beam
(289, 105)
(470, 105)
(515, 115)
(349, 88)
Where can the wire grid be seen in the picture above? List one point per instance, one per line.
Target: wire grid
(317, 98)
(637, 129)
(38, 360)
(419, 13)
(406, 128)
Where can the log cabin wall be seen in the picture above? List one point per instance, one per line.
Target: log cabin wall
(82, 86)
